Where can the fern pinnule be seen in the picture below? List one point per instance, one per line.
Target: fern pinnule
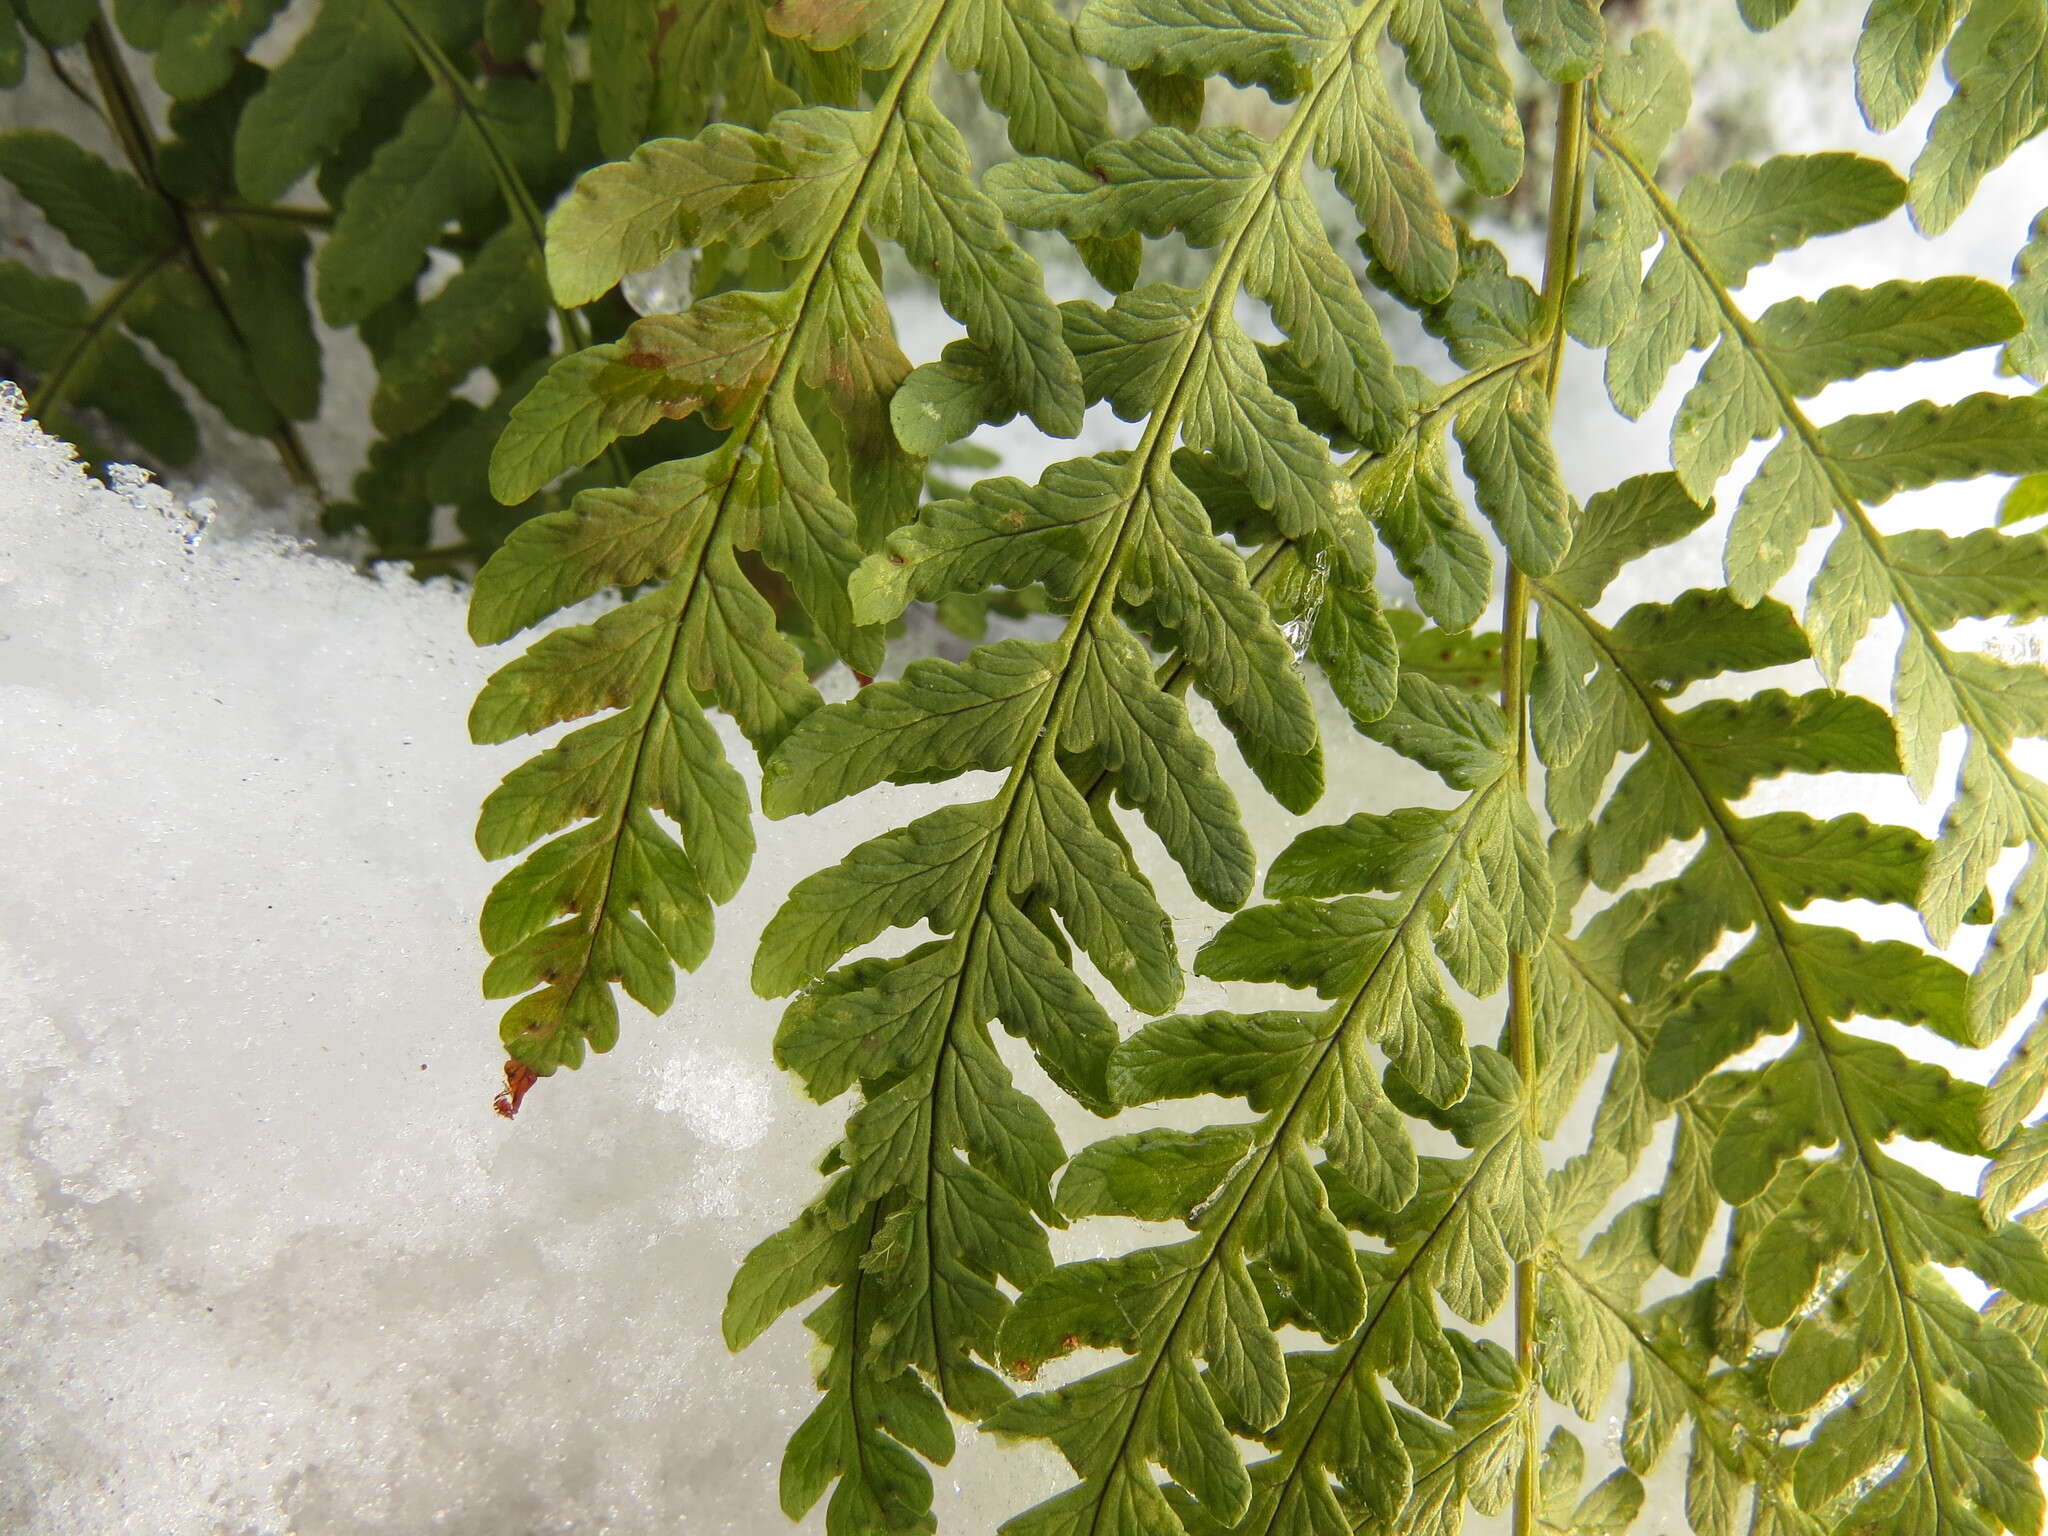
(1995, 58)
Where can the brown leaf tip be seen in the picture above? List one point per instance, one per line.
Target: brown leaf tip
(518, 1078)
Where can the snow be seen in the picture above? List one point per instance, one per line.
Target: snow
(267, 1261)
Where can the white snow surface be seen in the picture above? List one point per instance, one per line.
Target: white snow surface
(267, 1261)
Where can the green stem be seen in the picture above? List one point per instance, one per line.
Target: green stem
(310, 218)
(131, 129)
(1560, 256)
(64, 78)
(121, 105)
(435, 61)
(576, 333)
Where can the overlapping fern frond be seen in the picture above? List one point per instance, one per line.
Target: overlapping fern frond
(1058, 719)
(1861, 1224)
(806, 475)
(1392, 1268)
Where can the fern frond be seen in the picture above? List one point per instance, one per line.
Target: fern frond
(411, 144)
(812, 184)
(1121, 540)
(1458, 1236)
(1345, 1454)
(1847, 1257)
(1751, 387)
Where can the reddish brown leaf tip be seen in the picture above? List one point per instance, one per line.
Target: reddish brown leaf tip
(518, 1078)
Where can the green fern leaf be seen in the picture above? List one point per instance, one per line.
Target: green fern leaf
(51, 325)
(1454, 64)
(437, 169)
(58, 23)
(106, 214)
(1563, 38)
(1644, 96)
(1996, 58)
(492, 308)
(351, 57)
(2027, 352)
(195, 46)
(1819, 475)
(223, 305)
(1830, 1088)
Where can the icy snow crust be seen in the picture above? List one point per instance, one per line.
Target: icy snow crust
(267, 1261)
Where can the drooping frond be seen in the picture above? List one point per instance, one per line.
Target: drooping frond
(1842, 1245)
(1123, 543)
(1834, 475)
(616, 898)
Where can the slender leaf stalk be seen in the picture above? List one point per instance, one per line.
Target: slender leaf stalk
(1567, 194)
(130, 126)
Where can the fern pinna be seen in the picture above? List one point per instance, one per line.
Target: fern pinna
(1407, 1276)
(764, 366)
